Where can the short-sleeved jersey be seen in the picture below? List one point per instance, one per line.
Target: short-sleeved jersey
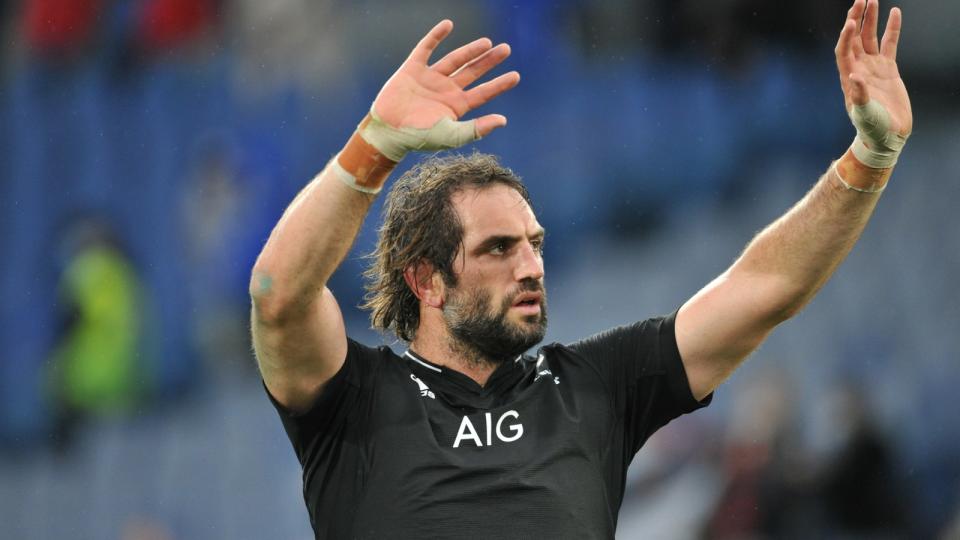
(399, 447)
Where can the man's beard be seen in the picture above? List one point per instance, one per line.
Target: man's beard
(485, 337)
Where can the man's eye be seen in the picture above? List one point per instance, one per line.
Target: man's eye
(537, 245)
(498, 248)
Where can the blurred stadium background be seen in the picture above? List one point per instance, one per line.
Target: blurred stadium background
(148, 146)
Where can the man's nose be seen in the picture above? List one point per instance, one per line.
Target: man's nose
(531, 264)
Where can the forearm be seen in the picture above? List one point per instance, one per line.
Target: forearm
(308, 243)
(790, 260)
(778, 273)
(794, 257)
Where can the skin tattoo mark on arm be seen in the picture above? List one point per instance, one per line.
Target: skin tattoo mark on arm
(264, 283)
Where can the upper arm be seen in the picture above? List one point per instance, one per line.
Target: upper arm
(721, 325)
(299, 350)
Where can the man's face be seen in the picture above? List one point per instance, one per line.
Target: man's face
(498, 306)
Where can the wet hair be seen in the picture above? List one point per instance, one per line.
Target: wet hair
(420, 225)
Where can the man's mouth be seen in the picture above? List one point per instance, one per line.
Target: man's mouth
(528, 299)
(528, 303)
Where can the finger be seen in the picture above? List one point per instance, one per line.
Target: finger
(454, 60)
(855, 13)
(869, 33)
(476, 69)
(859, 94)
(488, 123)
(421, 53)
(845, 82)
(891, 36)
(485, 92)
(856, 44)
(855, 17)
(844, 50)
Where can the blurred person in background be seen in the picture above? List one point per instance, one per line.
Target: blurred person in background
(862, 494)
(96, 368)
(674, 484)
(218, 215)
(768, 488)
(279, 43)
(464, 436)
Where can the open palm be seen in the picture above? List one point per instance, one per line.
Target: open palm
(868, 68)
(419, 95)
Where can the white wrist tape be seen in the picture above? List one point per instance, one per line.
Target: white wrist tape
(351, 180)
(873, 189)
(875, 145)
(394, 143)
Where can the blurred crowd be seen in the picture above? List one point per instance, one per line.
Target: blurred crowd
(148, 146)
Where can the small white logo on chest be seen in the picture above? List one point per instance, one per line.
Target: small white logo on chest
(424, 389)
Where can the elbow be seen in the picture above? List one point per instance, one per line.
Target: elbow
(783, 313)
(774, 298)
(263, 297)
(786, 301)
(272, 304)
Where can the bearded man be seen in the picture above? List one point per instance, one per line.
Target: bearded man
(462, 436)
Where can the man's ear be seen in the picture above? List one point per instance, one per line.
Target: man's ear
(426, 283)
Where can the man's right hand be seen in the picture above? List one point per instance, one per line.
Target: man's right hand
(298, 330)
(419, 98)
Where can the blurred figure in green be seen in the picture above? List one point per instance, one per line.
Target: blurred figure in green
(96, 369)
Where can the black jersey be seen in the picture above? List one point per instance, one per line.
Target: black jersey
(398, 447)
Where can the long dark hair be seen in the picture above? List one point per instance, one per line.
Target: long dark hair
(420, 225)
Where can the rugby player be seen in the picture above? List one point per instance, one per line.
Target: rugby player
(462, 435)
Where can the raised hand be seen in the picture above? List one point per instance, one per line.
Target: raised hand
(868, 68)
(420, 95)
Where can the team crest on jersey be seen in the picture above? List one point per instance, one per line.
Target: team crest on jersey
(424, 389)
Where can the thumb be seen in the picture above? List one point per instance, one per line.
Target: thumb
(490, 122)
(859, 94)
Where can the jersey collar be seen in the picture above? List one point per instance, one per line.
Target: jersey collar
(410, 355)
(502, 372)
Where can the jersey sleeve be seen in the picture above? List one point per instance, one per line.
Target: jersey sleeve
(330, 438)
(641, 368)
(317, 434)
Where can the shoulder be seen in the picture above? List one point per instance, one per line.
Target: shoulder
(652, 339)
(368, 353)
(558, 357)
(620, 354)
(359, 371)
(366, 360)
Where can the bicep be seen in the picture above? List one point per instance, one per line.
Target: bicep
(720, 326)
(298, 354)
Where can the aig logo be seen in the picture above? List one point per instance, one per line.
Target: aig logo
(468, 433)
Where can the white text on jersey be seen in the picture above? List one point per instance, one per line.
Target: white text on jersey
(468, 432)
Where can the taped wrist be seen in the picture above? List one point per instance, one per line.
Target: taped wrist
(875, 145)
(394, 143)
(875, 185)
(361, 166)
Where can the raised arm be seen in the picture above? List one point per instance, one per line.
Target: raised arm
(298, 331)
(788, 262)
